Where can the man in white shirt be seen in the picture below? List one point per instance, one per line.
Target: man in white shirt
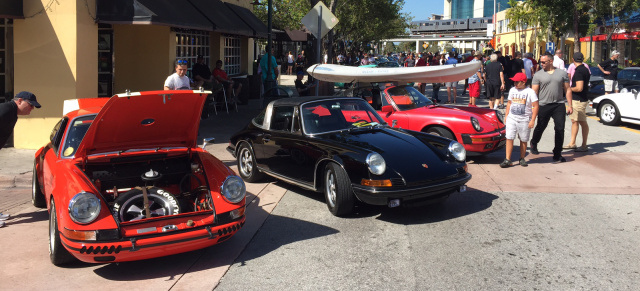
(558, 63)
(179, 79)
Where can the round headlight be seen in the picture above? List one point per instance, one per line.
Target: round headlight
(233, 189)
(376, 164)
(624, 90)
(500, 116)
(457, 151)
(476, 124)
(84, 207)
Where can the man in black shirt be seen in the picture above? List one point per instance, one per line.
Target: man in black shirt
(22, 104)
(494, 80)
(610, 70)
(579, 89)
(202, 75)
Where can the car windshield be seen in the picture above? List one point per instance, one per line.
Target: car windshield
(338, 114)
(75, 134)
(407, 97)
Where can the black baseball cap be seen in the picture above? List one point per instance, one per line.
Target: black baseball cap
(578, 57)
(29, 97)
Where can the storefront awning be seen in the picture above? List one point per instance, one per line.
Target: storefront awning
(223, 18)
(615, 36)
(11, 9)
(259, 29)
(175, 13)
(296, 35)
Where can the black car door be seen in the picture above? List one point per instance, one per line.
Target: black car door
(285, 151)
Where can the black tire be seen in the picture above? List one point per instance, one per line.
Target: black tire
(247, 167)
(57, 253)
(609, 113)
(440, 131)
(37, 198)
(337, 190)
(130, 206)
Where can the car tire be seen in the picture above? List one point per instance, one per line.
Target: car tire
(247, 166)
(337, 190)
(609, 113)
(130, 206)
(57, 253)
(37, 198)
(440, 131)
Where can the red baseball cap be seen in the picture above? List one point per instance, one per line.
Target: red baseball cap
(519, 77)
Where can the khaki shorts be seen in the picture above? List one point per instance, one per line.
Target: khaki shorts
(579, 110)
(610, 85)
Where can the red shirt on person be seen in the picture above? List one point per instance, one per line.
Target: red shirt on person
(220, 73)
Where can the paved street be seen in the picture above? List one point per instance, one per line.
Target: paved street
(549, 226)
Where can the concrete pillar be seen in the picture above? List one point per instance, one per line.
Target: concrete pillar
(55, 57)
(417, 46)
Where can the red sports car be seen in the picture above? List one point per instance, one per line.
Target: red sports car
(479, 130)
(123, 179)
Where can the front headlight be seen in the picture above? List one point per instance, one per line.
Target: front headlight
(84, 208)
(376, 164)
(457, 151)
(476, 124)
(233, 189)
(500, 116)
(624, 90)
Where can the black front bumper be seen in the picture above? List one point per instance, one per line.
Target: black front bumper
(381, 196)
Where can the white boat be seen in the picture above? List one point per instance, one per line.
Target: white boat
(427, 74)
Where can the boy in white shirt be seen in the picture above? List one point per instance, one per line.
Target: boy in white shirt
(520, 116)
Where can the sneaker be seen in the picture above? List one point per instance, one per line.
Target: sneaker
(4, 216)
(534, 150)
(582, 149)
(523, 162)
(570, 147)
(559, 159)
(506, 163)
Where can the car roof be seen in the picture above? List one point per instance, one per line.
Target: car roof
(294, 101)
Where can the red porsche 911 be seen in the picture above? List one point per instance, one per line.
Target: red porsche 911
(479, 130)
(123, 179)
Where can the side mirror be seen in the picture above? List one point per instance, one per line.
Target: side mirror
(207, 141)
(387, 109)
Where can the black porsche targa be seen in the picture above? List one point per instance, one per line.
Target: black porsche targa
(342, 147)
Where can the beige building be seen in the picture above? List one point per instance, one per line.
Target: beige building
(70, 49)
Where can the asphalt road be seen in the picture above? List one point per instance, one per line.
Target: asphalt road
(549, 226)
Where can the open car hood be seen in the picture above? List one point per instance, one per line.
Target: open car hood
(145, 120)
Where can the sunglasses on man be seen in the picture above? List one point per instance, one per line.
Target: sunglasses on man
(182, 62)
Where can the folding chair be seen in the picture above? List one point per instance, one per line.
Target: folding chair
(226, 101)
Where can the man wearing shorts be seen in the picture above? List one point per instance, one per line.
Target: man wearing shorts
(452, 60)
(579, 89)
(475, 82)
(610, 70)
(494, 76)
(520, 116)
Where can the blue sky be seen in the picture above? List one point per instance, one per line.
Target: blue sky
(422, 9)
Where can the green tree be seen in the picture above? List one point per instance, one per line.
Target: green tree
(361, 22)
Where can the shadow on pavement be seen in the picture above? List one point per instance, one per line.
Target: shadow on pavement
(458, 205)
(30, 217)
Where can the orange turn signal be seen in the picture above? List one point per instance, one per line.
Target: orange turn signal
(79, 234)
(376, 183)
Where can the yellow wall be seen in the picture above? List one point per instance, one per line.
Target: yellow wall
(55, 58)
(144, 57)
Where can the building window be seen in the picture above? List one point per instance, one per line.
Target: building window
(190, 44)
(6, 59)
(105, 60)
(500, 24)
(232, 55)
